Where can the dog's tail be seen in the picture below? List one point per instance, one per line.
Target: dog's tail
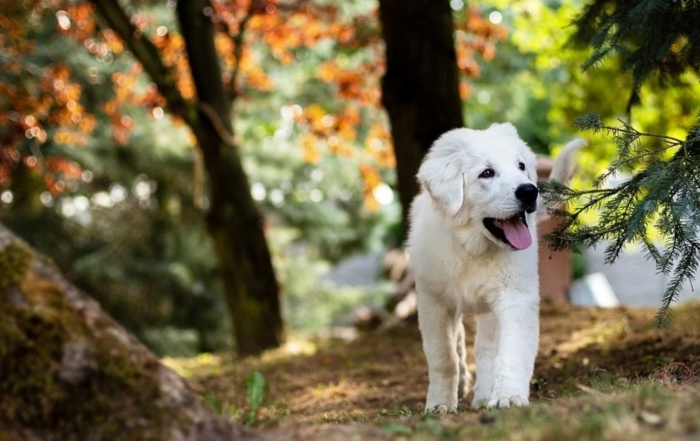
(564, 164)
(562, 170)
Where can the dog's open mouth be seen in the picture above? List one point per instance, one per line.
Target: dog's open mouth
(512, 231)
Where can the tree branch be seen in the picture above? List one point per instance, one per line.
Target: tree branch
(149, 57)
(198, 31)
(237, 41)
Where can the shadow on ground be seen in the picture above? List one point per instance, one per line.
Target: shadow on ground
(381, 378)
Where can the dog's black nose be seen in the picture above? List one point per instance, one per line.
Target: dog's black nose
(527, 194)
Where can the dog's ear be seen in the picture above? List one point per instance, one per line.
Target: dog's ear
(442, 177)
(506, 128)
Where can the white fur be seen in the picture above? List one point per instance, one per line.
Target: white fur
(459, 267)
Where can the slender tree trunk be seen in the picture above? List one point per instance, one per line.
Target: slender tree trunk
(420, 89)
(69, 372)
(235, 224)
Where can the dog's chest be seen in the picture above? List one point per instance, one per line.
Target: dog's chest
(478, 285)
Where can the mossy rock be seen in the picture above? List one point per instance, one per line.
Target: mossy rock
(70, 372)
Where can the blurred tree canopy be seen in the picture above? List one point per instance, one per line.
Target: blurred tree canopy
(100, 172)
(102, 128)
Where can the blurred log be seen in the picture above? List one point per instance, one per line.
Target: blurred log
(403, 304)
(70, 372)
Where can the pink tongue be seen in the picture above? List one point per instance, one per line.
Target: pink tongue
(517, 233)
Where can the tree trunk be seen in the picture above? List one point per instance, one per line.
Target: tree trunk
(236, 226)
(234, 222)
(70, 372)
(420, 89)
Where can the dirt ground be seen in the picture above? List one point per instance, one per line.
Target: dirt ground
(382, 378)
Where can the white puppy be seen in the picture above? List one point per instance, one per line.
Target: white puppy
(473, 248)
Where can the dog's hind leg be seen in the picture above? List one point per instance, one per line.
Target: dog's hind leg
(465, 377)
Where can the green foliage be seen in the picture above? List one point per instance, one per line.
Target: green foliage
(255, 388)
(218, 407)
(661, 191)
(507, 89)
(148, 258)
(537, 82)
(652, 37)
(138, 242)
(657, 42)
(579, 266)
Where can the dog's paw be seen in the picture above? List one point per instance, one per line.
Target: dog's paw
(505, 400)
(479, 402)
(482, 393)
(441, 409)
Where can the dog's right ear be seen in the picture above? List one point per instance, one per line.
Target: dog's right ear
(443, 178)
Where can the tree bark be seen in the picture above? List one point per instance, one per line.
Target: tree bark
(236, 226)
(420, 89)
(70, 372)
(234, 222)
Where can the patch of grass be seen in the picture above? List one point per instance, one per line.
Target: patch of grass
(642, 412)
(255, 388)
(256, 385)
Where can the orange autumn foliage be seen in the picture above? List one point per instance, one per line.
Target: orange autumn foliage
(359, 88)
(247, 30)
(39, 104)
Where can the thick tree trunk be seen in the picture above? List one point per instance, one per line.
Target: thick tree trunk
(420, 89)
(235, 224)
(70, 372)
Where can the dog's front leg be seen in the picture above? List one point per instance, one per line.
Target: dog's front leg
(439, 331)
(517, 315)
(485, 350)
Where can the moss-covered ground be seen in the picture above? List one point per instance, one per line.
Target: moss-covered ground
(600, 374)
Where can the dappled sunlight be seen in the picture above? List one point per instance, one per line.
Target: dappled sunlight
(381, 372)
(202, 364)
(382, 377)
(600, 333)
(212, 364)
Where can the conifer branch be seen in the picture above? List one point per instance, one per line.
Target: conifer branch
(659, 192)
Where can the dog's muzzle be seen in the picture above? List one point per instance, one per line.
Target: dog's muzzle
(527, 195)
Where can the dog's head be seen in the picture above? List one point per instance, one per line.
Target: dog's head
(486, 178)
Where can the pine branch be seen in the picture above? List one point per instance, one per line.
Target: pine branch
(687, 267)
(663, 193)
(652, 38)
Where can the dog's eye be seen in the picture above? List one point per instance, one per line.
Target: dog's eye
(522, 166)
(488, 173)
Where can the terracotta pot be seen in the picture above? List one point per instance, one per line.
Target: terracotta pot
(554, 266)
